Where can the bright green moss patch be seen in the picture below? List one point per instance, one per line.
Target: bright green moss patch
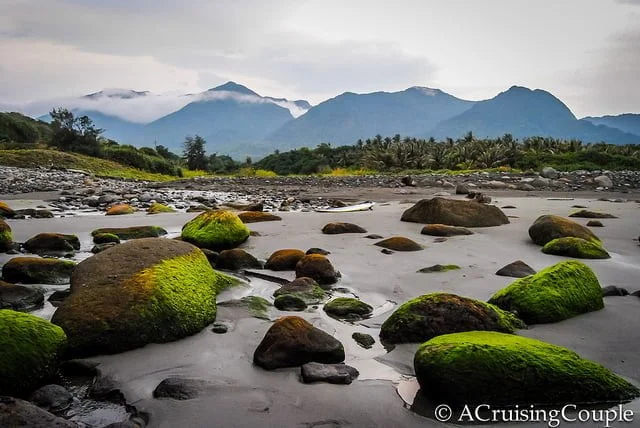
(104, 238)
(157, 208)
(558, 292)
(30, 348)
(435, 314)
(134, 232)
(439, 268)
(501, 369)
(576, 248)
(215, 230)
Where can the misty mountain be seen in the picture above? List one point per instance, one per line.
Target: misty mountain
(523, 112)
(624, 122)
(348, 117)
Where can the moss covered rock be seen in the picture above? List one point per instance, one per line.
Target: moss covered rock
(19, 297)
(558, 292)
(52, 244)
(439, 268)
(289, 302)
(255, 306)
(455, 213)
(365, 341)
(591, 214)
(257, 217)
(337, 228)
(30, 350)
(576, 248)
(143, 291)
(157, 208)
(105, 238)
(285, 259)
(6, 237)
(120, 209)
(318, 268)
(293, 341)
(459, 369)
(305, 288)
(549, 227)
(347, 308)
(435, 314)
(134, 232)
(399, 243)
(6, 211)
(444, 230)
(237, 259)
(36, 270)
(215, 230)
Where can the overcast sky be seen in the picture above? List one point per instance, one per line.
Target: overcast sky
(586, 52)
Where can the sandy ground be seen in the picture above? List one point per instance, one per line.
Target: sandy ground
(247, 396)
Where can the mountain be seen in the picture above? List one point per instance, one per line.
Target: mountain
(348, 117)
(125, 94)
(523, 112)
(624, 122)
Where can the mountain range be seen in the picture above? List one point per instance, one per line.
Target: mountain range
(236, 120)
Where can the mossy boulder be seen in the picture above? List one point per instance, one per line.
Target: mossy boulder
(120, 209)
(591, 214)
(455, 213)
(556, 293)
(458, 369)
(337, 228)
(257, 217)
(439, 268)
(293, 341)
(318, 268)
(304, 288)
(577, 248)
(435, 314)
(549, 227)
(143, 291)
(6, 211)
(19, 297)
(236, 259)
(36, 270)
(399, 243)
(6, 237)
(133, 232)
(285, 259)
(289, 302)
(517, 269)
(105, 238)
(347, 308)
(157, 208)
(30, 350)
(444, 230)
(364, 340)
(215, 230)
(52, 244)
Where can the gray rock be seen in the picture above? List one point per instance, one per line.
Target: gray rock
(19, 413)
(603, 181)
(612, 290)
(288, 302)
(177, 388)
(19, 297)
(540, 182)
(340, 374)
(364, 340)
(52, 398)
(549, 172)
(462, 189)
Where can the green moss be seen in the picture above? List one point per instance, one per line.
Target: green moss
(364, 340)
(313, 296)
(30, 348)
(104, 238)
(558, 292)
(439, 268)
(435, 314)
(346, 307)
(215, 230)
(289, 302)
(257, 306)
(36, 270)
(576, 247)
(134, 232)
(501, 369)
(157, 208)
(6, 237)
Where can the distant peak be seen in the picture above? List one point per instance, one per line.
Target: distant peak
(234, 87)
(117, 93)
(426, 91)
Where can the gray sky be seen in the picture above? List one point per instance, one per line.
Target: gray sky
(586, 52)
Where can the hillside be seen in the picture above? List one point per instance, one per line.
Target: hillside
(18, 127)
(624, 122)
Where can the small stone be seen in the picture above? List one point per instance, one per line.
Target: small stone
(517, 269)
(364, 340)
(315, 250)
(52, 398)
(612, 290)
(339, 374)
(219, 328)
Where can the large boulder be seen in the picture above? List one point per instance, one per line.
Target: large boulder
(257, 217)
(285, 259)
(458, 369)
(6, 238)
(52, 244)
(293, 341)
(455, 213)
(19, 413)
(36, 270)
(444, 230)
(549, 227)
(337, 228)
(19, 297)
(435, 314)
(30, 351)
(558, 292)
(215, 230)
(318, 268)
(6, 211)
(577, 248)
(133, 232)
(143, 291)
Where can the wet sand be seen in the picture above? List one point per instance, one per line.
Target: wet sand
(246, 396)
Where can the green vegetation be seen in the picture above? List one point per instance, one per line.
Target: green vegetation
(556, 293)
(17, 129)
(157, 208)
(459, 369)
(347, 307)
(576, 247)
(105, 238)
(30, 349)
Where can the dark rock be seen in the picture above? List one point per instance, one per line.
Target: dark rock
(104, 238)
(36, 270)
(594, 223)
(455, 213)
(81, 367)
(98, 248)
(177, 388)
(318, 268)
(104, 389)
(285, 259)
(212, 256)
(517, 269)
(257, 217)
(339, 374)
(219, 328)
(52, 398)
(293, 341)
(439, 268)
(33, 213)
(19, 413)
(399, 243)
(258, 206)
(462, 189)
(135, 232)
(304, 288)
(237, 259)
(6, 211)
(509, 207)
(315, 250)
(339, 228)
(408, 181)
(387, 252)
(591, 214)
(288, 302)
(549, 227)
(52, 244)
(19, 297)
(58, 296)
(347, 308)
(364, 340)
(374, 236)
(444, 230)
(612, 290)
